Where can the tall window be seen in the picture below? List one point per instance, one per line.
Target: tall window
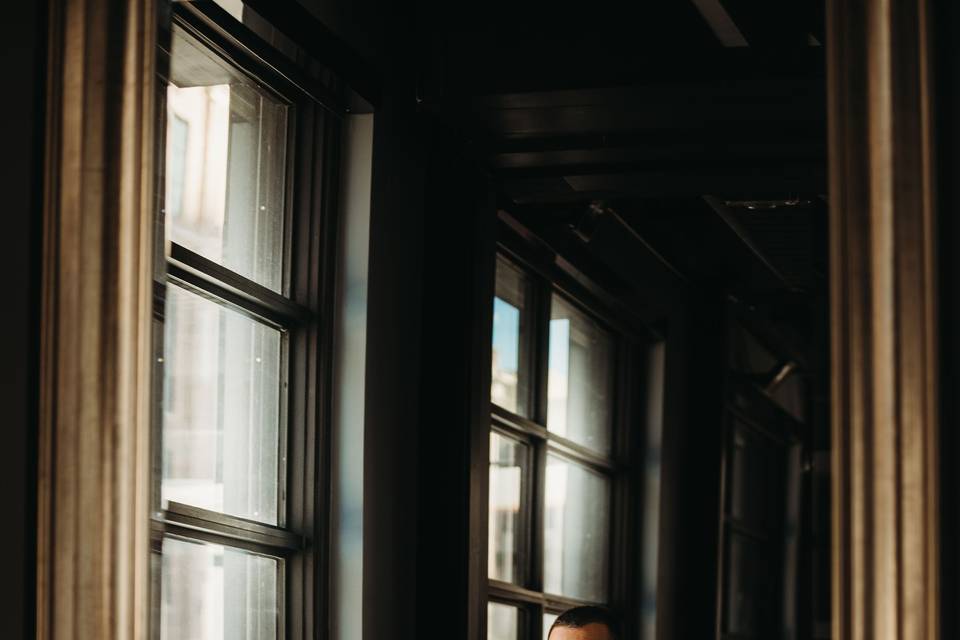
(238, 337)
(554, 470)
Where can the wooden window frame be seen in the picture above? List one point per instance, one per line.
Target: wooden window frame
(549, 275)
(302, 311)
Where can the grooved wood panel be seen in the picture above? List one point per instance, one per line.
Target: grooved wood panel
(94, 471)
(883, 322)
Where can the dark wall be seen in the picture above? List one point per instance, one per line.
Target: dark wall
(459, 247)
(22, 51)
(392, 405)
(947, 91)
(692, 442)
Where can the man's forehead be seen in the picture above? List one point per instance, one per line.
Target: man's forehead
(593, 631)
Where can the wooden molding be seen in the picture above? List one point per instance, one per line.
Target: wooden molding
(93, 550)
(883, 322)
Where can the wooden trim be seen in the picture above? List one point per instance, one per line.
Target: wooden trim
(93, 527)
(297, 22)
(238, 44)
(883, 322)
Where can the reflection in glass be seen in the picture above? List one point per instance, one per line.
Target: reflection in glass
(548, 619)
(221, 409)
(509, 380)
(507, 462)
(576, 531)
(211, 592)
(225, 164)
(503, 622)
(580, 381)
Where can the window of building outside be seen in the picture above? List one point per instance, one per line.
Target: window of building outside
(553, 468)
(235, 325)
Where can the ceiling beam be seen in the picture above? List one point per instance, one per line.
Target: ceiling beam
(522, 70)
(729, 172)
(681, 156)
(769, 116)
(756, 183)
(794, 135)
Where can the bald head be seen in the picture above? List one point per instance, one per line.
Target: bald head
(592, 631)
(584, 623)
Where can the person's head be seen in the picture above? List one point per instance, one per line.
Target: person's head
(584, 623)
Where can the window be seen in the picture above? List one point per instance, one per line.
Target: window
(238, 339)
(554, 461)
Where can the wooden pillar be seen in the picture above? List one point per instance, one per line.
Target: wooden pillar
(93, 509)
(883, 320)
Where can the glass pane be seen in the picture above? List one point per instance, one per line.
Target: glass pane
(758, 471)
(211, 592)
(225, 166)
(576, 531)
(221, 409)
(507, 464)
(580, 380)
(509, 386)
(748, 478)
(548, 619)
(749, 587)
(503, 622)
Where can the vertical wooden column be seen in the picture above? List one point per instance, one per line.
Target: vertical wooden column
(93, 548)
(883, 319)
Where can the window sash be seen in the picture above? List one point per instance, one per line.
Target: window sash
(298, 310)
(229, 289)
(536, 353)
(528, 594)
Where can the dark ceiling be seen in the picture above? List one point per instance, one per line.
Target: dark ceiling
(699, 124)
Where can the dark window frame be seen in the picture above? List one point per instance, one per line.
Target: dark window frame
(549, 274)
(303, 311)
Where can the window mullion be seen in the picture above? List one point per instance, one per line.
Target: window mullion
(540, 338)
(537, 512)
(626, 483)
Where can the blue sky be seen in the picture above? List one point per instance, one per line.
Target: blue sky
(506, 334)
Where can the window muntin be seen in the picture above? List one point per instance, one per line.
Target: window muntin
(510, 374)
(226, 164)
(217, 592)
(222, 417)
(580, 379)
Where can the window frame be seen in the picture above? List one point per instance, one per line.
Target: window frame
(302, 310)
(549, 274)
